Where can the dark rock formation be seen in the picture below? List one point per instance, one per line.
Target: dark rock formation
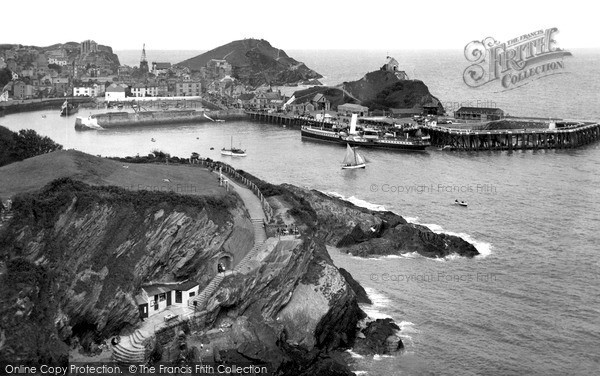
(256, 62)
(359, 291)
(384, 90)
(363, 232)
(93, 247)
(380, 337)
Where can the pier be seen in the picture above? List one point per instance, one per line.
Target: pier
(285, 119)
(576, 135)
(515, 139)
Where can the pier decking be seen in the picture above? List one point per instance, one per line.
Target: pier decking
(516, 139)
(474, 140)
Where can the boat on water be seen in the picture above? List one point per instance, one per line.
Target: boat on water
(460, 203)
(153, 140)
(353, 159)
(68, 109)
(369, 137)
(233, 152)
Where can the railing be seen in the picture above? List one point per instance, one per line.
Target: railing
(227, 169)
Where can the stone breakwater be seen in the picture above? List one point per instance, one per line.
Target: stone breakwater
(145, 118)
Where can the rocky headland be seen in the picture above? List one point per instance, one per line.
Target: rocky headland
(366, 233)
(255, 62)
(80, 242)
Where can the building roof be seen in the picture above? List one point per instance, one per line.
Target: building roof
(319, 97)
(160, 288)
(352, 107)
(246, 97)
(113, 88)
(270, 95)
(184, 286)
(161, 65)
(481, 110)
(139, 299)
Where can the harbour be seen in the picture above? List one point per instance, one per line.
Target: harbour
(563, 135)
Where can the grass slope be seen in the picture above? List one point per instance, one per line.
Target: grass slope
(34, 173)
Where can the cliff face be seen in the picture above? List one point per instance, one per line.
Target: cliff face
(363, 232)
(92, 248)
(290, 312)
(384, 90)
(256, 62)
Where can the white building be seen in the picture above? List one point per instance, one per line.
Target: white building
(140, 90)
(59, 62)
(156, 298)
(115, 92)
(94, 90)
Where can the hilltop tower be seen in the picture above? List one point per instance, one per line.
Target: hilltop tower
(144, 61)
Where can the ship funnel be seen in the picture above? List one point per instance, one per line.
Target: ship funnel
(353, 123)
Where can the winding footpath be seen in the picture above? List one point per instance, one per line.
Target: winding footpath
(131, 349)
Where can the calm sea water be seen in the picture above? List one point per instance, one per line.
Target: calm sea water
(530, 304)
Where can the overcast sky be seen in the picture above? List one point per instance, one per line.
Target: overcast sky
(308, 24)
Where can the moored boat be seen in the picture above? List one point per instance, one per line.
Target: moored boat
(369, 137)
(233, 152)
(68, 109)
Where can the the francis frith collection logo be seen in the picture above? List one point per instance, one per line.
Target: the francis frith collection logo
(516, 62)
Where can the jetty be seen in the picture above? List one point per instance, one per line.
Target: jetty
(564, 136)
(557, 135)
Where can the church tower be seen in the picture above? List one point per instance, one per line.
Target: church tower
(143, 62)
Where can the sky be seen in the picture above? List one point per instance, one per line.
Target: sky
(294, 25)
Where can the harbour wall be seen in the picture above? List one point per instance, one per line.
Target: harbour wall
(524, 139)
(574, 136)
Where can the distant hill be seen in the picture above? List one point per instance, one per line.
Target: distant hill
(256, 62)
(103, 57)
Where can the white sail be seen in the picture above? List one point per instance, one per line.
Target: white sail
(350, 157)
(359, 158)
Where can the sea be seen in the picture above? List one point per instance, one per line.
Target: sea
(529, 304)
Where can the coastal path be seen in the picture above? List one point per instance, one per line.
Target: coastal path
(131, 348)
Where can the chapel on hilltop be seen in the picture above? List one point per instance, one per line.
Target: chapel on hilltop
(392, 66)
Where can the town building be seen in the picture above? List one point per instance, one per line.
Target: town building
(56, 61)
(349, 109)
(158, 297)
(218, 68)
(88, 46)
(160, 68)
(115, 92)
(267, 100)
(89, 90)
(60, 85)
(21, 90)
(479, 113)
(188, 88)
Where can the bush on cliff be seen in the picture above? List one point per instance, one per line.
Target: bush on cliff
(25, 144)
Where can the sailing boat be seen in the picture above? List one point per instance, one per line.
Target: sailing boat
(68, 108)
(353, 159)
(233, 152)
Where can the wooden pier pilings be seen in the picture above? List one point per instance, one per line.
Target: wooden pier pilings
(474, 140)
(285, 119)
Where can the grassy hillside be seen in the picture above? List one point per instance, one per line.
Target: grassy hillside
(34, 173)
(255, 62)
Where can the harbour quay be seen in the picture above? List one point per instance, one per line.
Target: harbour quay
(559, 135)
(522, 134)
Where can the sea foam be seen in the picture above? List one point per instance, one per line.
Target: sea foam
(484, 248)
